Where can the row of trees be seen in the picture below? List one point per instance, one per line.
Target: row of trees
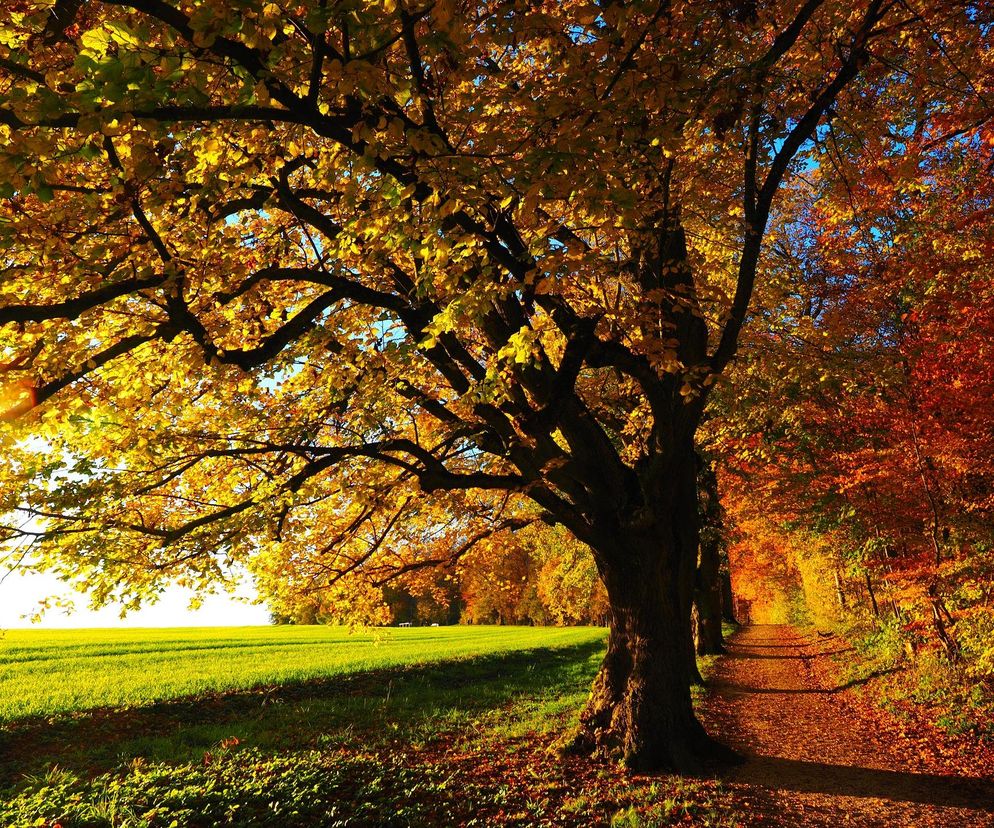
(862, 478)
(541, 575)
(345, 291)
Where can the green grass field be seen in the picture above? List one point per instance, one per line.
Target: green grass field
(304, 726)
(46, 672)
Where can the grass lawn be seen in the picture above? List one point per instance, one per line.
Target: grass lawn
(44, 672)
(291, 726)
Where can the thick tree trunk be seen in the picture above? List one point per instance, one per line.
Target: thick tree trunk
(640, 705)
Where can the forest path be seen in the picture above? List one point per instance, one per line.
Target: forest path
(814, 757)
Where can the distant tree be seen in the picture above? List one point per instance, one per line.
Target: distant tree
(567, 582)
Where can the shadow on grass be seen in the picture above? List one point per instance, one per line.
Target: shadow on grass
(411, 703)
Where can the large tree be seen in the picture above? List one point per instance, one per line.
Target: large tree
(301, 281)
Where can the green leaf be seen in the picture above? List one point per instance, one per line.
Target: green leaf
(122, 34)
(96, 40)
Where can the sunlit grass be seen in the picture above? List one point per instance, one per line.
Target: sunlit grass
(47, 672)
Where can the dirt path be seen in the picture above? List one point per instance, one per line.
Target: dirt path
(813, 757)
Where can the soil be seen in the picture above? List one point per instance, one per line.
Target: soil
(817, 754)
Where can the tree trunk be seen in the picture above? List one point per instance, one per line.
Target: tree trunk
(838, 591)
(708, 599)
(873, 598)
(695, 672)
(727, 598)
(707, 593)
(949, 644)
(640, 704)
(948, 641)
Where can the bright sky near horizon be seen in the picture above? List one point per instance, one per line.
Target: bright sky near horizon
(20, 594)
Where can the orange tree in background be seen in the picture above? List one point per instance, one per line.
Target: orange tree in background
(871, 422)
(348, 288)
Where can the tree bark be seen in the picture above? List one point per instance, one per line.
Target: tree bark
(693, 642)
(707, 593)
(948, 641)
(727, 597)
(838, 591)
(708, 599)
(640, 705)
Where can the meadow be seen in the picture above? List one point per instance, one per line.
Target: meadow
(288, 726)
(47, 672)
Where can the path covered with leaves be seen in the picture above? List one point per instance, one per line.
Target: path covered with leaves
(819, 755)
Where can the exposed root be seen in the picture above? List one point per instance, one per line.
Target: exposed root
(694, 754)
